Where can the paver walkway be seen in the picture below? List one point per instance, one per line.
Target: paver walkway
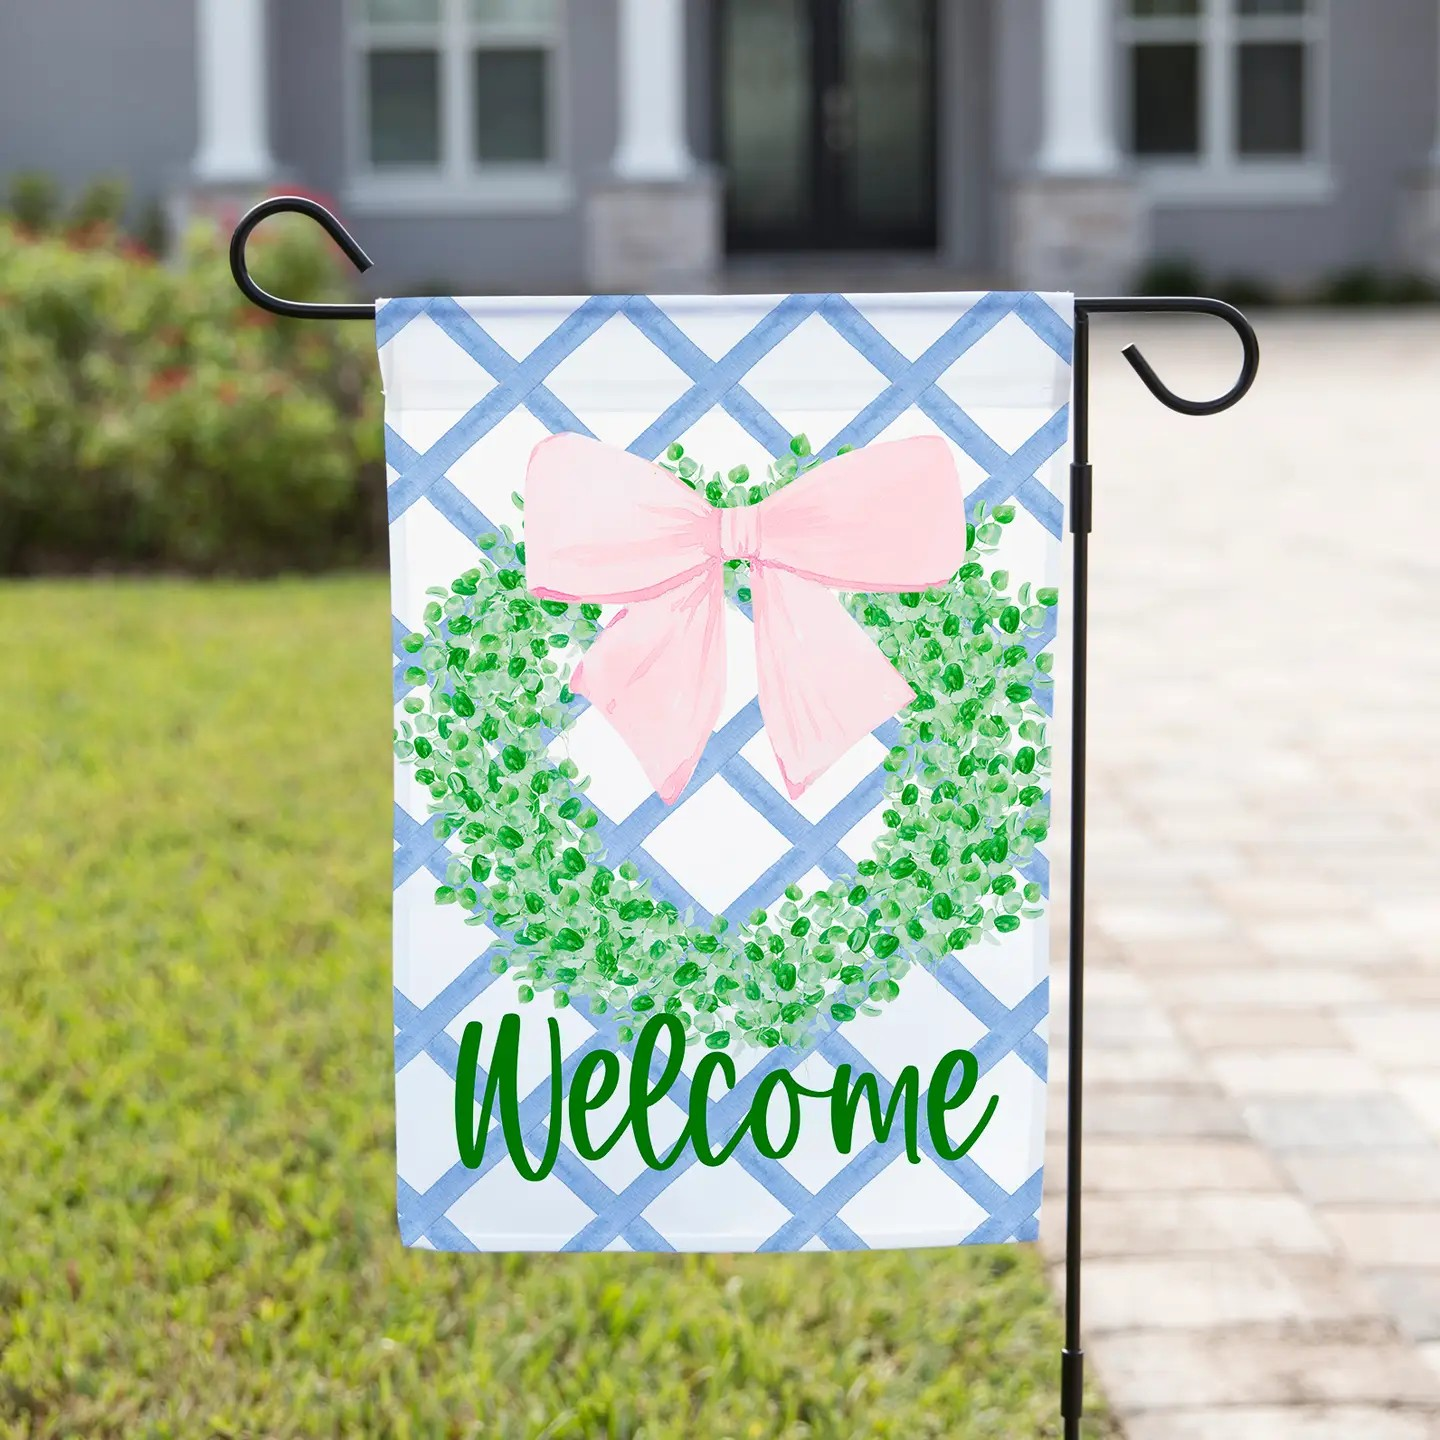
(1263, 1040)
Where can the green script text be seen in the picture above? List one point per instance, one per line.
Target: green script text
(654, 1072)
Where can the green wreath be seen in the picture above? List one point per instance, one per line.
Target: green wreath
(965, 801)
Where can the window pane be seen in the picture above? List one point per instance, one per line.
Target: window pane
(404, 94)
(510, 105)
(407, 11)
(767, 89)
(1272, 99)
(528, 12)
(1164, 7)
(1274, 7)
(1165, 86)
(888, 74)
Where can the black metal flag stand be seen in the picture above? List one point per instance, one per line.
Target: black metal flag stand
(1072, 1371)
(1072, 1360)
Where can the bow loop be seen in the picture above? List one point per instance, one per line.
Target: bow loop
(886, 518)
(604, 525)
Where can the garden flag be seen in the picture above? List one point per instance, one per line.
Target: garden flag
(722, 753)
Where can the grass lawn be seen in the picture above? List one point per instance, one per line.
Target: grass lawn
(197, 1232)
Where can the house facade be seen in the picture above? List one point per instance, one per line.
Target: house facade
(511, 145)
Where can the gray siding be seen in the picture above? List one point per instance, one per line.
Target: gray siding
(1018, 68)
(307, 92)
(1018, 65)
(966, 172)
(91, 88)
(1383, 88)
(477, 254)
(701, 101)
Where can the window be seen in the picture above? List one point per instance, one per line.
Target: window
(1224, 85)
(456, 98)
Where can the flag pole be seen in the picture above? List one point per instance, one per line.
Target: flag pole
(1072, 1357)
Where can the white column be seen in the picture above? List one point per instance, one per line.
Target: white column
(231, 73)
(652, 144)
(1079, 110)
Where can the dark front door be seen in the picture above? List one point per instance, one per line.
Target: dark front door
(827, 117)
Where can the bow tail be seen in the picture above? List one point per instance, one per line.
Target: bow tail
(824, 683)
(657, 674)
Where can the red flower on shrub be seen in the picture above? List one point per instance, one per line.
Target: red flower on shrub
(166, 382)
(89, 236)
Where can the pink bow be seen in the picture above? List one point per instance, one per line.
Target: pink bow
(605, 526)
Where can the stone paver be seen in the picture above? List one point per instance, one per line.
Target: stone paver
(1224, 1030)
(1293, 1072)
(1413, 1296)
(1163, 1166)
(1259, 1365)
(1389, 1235)
(1287, 1422)
(1263, 1027)
(1147, 1295)
(1398, 1036)
(1387, 1177)
(1345, 1124)
(1206, 1222)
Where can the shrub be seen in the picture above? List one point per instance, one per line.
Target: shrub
(1248, 292)
(34, 199)
(1171, 275)
(1177, 275)
(1363, 285)
(1359, 285)
(102, 202)
(151, 417)
(1410, 289)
